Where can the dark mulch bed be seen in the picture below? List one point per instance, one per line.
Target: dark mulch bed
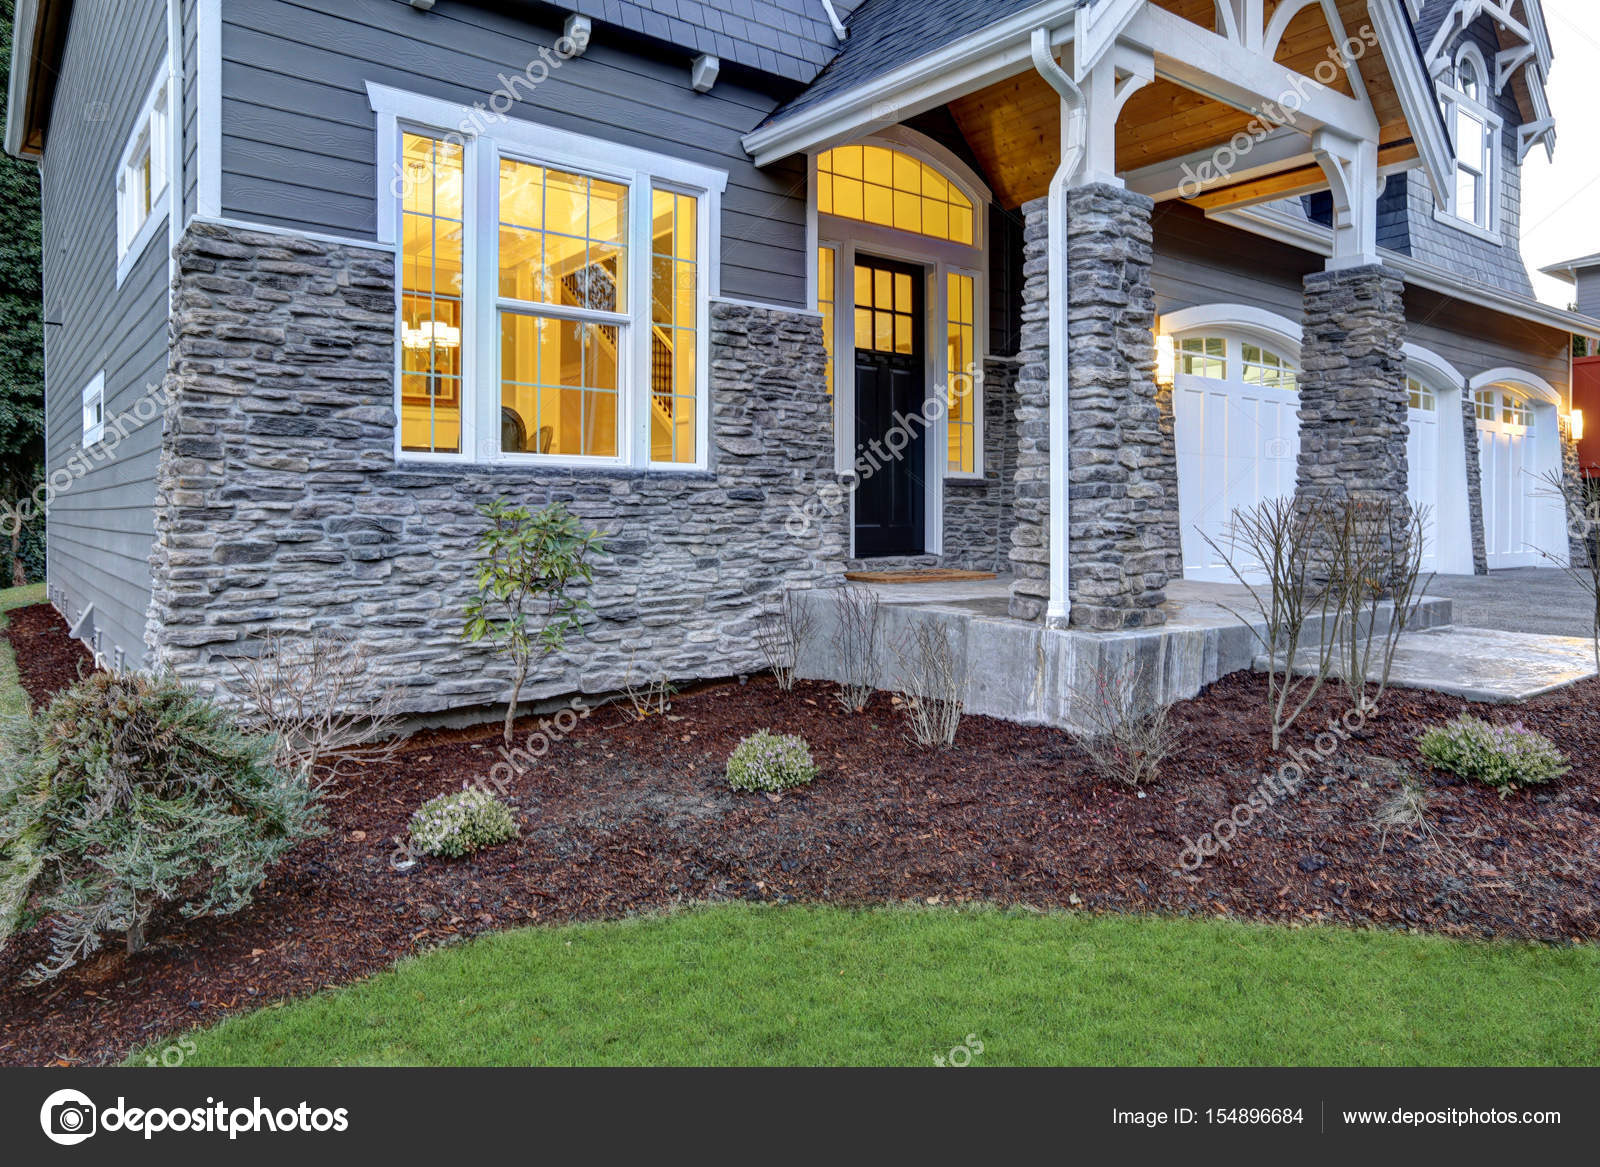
(48, 660)
(623, 817)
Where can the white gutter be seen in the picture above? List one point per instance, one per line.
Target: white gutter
(22, 29)
(833, 19)
(1074, 133)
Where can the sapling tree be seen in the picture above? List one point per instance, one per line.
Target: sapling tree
(527, 603)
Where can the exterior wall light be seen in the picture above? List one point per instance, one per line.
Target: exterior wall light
(1166, 361)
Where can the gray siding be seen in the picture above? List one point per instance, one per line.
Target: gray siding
(1199, 261)
(1476, 340)
(1588, 292)
(100, 528)
(299, 145)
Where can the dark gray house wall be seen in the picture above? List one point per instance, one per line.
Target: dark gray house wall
(101, 523)
(1587, 296)
(298, 145)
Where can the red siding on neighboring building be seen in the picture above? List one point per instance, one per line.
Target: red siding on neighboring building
(1586, 396)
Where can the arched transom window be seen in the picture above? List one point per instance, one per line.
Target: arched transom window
(889, 188)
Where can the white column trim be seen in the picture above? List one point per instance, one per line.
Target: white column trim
(208, 107)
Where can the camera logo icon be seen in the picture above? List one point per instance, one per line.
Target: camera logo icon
(68, 1117)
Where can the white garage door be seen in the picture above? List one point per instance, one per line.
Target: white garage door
(1238, 439)
(1422, 464)
(1508, 454)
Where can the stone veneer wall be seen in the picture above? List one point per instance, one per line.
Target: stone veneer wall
(1580, 528)
(1469, 429)
(1353, 400)
(1124, 533)
(280, 505)
(978, 515)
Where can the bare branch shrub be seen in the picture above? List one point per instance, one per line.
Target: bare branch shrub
(933, 681)
(315, 695)
(1375, 556)
(1129, 735)
(783, 636)
(1581, 511)
(855, 646)
(647, 700)
(1278, 539)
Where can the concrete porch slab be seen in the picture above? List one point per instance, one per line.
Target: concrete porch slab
(1024, 672)
(1482, 664)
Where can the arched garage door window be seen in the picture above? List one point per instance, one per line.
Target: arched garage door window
(1235, 399)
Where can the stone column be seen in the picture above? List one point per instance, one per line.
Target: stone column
(1122, 471)
(1353, 387)
(1469, 429)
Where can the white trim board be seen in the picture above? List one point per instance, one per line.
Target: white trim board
(208, 107)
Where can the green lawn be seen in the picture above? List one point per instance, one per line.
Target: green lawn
(12, 698)
(779, 986)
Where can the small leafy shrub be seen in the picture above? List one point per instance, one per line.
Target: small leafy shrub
(454, 825)
(127, 795)
(1503, 756)
(770, 761)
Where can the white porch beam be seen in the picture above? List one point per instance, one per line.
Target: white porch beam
(1188, 176)
(1352, 169)
(1216, 67)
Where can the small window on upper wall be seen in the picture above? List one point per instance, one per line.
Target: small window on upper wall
(1475, 129)
(94, 410)
(143, 176)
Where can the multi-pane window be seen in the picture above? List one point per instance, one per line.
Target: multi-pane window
(1474, 165)
(961, 372)
(551, 307)
(825, 294)
(673, 306)
(563, 270)
(874, 184)
(1420, 396)
(431, 286)
(143, 175)
(1515, 410)
(1483, 404)
(1204, 356)
(1264, 367)
(885, 311)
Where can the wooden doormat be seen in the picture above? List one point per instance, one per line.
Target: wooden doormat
(917, 575)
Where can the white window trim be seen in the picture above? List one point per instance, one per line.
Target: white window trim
(485, 140)
(939, 257)
(157, 129)
(1450, 97)
(94, 391)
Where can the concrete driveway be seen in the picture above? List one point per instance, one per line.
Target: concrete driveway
(1542, 600)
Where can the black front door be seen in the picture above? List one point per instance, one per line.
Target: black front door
(891, 500)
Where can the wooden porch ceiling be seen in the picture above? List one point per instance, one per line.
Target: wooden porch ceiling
(1013, 126)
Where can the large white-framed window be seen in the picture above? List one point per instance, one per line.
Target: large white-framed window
(895, 196)
(554, 299)
(1474, 197)
(143, 177)
(94, 410)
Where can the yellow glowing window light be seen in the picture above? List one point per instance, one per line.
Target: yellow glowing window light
(874, 184)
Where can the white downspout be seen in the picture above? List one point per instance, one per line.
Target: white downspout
(1074, 133)
(833, 19)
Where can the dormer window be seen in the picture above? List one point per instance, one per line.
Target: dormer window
(1473, 199)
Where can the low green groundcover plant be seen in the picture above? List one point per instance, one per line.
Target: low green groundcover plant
(454, 825)
(770, 761)
(130, 794)
(1506, 757)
